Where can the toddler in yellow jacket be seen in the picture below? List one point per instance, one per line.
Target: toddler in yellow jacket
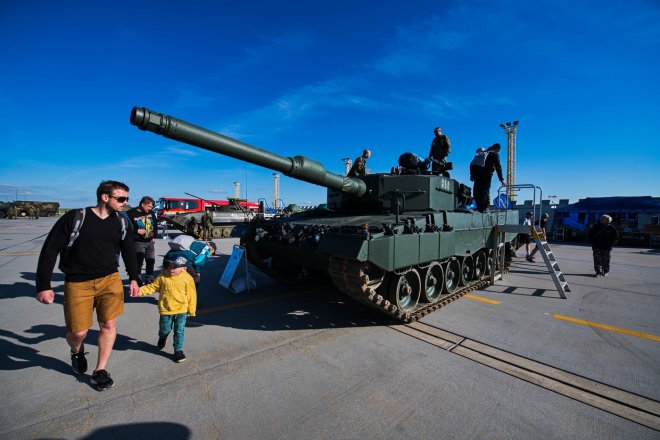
(177, 301)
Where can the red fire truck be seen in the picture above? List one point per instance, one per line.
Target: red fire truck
(170, 206)
(186, 214)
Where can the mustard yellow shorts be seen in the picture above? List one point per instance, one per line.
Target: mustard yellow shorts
(105, 294)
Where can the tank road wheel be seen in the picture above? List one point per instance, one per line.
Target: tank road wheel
(467, 270)
(452, 275)
(216, 232)
(226, 232)
(480, 265)
(434, 281)
(404, 290)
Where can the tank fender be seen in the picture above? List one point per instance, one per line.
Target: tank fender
(345, 246)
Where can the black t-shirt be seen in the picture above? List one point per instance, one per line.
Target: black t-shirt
(94, 254)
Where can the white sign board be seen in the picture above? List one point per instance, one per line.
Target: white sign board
(232, 264)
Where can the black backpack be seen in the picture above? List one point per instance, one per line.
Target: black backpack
(479, 159)
(78, 222)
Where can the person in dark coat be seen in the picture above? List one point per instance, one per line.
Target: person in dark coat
(603, 236)
(145, 231)
(359, 168)
(483, 176)
(440, 148)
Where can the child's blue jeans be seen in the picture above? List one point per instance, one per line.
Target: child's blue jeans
(176, 322)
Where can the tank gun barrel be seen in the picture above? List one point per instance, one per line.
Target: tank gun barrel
(298, 167)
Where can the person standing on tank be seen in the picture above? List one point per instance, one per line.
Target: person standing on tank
(91, 276)
(145, 229)
(440, 148)
(359, 168)
(483, 177)
(603, 236)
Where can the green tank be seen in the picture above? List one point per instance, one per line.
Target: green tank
(404, 244)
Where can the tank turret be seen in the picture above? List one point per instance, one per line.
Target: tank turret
(403, 244)
(377, 192)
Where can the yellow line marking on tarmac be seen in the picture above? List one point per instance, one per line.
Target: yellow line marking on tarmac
(478, 298)
(206, 310)
(608, 327)
(19, 254)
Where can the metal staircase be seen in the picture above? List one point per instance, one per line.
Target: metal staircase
(550, 261)
(544, 249)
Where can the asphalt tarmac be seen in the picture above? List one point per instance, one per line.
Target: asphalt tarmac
(510, 361)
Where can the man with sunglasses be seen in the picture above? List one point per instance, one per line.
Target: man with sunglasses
(91, 278)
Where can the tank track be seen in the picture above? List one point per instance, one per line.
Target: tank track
(348, 276)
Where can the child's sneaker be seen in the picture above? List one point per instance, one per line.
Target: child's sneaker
(161, 342)
(101, 380)
(78, 361)
(179, 356)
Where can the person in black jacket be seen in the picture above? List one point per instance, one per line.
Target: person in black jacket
(440, 148)
(91, 278)
(603, 236)
(483, 175)
(145, 231)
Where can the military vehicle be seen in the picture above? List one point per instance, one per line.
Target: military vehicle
(223, 218)
(404, 244)
(4, 209)
(43, 209)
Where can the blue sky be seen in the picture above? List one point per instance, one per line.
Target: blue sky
(326, 80)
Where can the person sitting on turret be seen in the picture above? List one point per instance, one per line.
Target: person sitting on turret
(359, 168)
(410, 163)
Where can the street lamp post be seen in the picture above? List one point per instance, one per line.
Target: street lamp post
(276, 190)
(510, 129)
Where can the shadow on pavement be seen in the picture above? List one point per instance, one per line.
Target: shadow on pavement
(168, 430)
(18, 355)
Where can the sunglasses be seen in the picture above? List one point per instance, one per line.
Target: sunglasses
(119, 199)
